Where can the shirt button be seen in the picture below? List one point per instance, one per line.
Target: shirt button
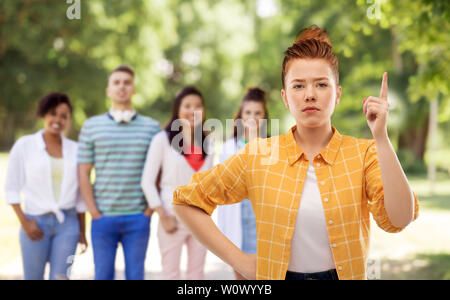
(318, 165)
(325, 200)
(334, 245)
(322, 182)
(340, 268)
(330, 222)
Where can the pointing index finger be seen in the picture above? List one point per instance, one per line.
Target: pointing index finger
(384, 87)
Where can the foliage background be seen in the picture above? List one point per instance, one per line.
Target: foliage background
(224, 47)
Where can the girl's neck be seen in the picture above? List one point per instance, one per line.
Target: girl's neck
(188, 136)
(52, 138)
(313, 140)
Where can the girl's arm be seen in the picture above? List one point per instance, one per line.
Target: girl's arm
(399, 199)
(83, 240)
(29, 225)
(194, 203)
(206, 232)
(15, 181)
(398, 196)
(153, 163)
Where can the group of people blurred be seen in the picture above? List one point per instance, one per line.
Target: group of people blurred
(137, 167)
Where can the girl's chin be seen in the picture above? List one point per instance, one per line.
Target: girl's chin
(311, 124)
(54, 131)
(191, 124)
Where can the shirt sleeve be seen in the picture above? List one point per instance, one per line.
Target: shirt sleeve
(223, 184)
(85, 146)
(375, 192)
(15, 178)
(153, 163)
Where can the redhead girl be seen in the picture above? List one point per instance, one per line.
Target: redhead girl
(177, 153)
(312, 189)
(238, 221)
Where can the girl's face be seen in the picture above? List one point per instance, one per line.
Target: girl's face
(311, 93)
(191, 110)
(56, 121)
(252, 113)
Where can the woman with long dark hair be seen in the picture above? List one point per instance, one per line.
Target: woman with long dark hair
(176, 153)
(237, 221)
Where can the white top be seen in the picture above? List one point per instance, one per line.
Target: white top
(29, 172)
(57, 165)
(229, 218)
(176, 171)
(310, 246)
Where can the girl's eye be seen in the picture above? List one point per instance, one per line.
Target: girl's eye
(323, 84)
(298, 86)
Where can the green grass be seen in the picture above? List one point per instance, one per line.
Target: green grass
(421, 251)
(420, 267)
(435, 197)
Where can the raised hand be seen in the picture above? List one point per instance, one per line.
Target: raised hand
(376, 110)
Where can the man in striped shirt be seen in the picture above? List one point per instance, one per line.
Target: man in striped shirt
(115, 144)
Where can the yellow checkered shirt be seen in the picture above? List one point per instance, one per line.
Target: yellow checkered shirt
(271, 173)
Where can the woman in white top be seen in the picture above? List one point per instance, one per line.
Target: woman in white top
(237, 221)
(175, 154)
(43, 167)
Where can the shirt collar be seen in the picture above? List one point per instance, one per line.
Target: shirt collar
(109, 115)
(40, 140)
(329, 153)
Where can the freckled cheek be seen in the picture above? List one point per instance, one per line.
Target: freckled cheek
(295, 105)
(295, 100)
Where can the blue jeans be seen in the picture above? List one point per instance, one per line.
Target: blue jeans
(57, 247)
(326, 275)
(133, 232)
(248, 227)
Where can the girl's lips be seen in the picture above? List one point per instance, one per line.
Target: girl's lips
(310, 111)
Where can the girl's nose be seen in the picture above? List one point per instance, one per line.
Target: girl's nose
(310, 94)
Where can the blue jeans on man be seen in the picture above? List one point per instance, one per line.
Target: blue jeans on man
(132, 232)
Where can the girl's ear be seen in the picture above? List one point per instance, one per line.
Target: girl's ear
(284, 97)
(338, 94)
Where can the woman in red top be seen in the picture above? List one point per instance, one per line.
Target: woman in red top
(177, 153)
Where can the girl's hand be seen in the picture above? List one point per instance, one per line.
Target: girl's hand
(83, 242)
(32, 230)
(377, 110)
(247, 267)
(170, 224)
(148, 212)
